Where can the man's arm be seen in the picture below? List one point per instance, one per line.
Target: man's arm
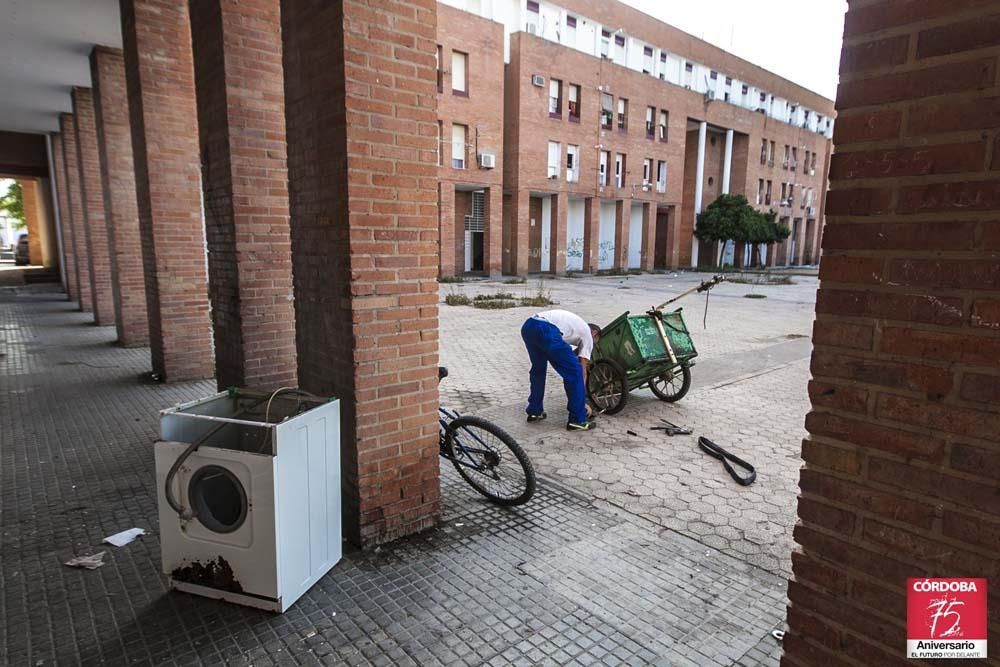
(584, 365)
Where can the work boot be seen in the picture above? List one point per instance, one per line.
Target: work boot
(536, 418)
(581, 426)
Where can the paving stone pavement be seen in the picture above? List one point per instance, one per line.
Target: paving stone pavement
(748, 395)
(565, 580)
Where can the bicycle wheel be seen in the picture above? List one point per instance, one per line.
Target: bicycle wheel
(671, 386)
(491, 461)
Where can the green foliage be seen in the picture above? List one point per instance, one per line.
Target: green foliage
(457, 300)
(754, 296)
(498, 296)
(726, 219)
(494, 304)
(519, 280)
(12, 203)
(451, 279)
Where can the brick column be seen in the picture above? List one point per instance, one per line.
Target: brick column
(92, 191)
(33, 224)
(114, 141)
(160, 80)
(648, 256)
(903, 453)
(446, 227)
(623, 215)
(559, 231)
(241, 121)
(520, 234)
(493, 237)
(365, 260)
(59, 174)
(591, 234)
(78, 239)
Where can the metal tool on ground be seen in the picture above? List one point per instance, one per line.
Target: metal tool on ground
(672, 429)
(715, 451)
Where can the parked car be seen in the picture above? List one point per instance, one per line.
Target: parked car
(21, 256)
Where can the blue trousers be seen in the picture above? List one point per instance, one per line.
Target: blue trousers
(545, 346)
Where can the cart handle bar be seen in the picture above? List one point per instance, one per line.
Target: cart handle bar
(707, 285)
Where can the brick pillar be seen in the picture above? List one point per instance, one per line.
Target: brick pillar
(648, 256)
(62, 192)
(903, 455)
(623, 215)
(365, 290)
(32, 221)
(520, 220)
(78, 238)
(591, 234)
(493, 237)
(114, 141)
(559, 231)
(159, 76)
(446, 227)
(92, 192)
(241, 121)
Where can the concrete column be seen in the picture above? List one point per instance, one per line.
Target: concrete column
(699, 187)
(32, 219)
(559, 231)
(520, 235)
(446, 228)
(727, 165)
(648, 256)
(365, 267)
(92, 191)
(78, 242)
(241, 123)
(159, 77)
(114, 142)
(623, 217)
(591, 234)
(493, 236)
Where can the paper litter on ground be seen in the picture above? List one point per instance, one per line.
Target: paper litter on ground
(91, 562)
(124, 537)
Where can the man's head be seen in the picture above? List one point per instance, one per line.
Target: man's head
(595, 332)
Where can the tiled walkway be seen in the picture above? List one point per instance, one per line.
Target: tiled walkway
(556, 582)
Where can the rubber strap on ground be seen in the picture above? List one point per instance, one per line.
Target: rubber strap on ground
(715, 451)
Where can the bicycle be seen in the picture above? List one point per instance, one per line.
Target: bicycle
(486, 456)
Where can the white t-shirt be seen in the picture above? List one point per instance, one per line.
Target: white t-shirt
(574, 330)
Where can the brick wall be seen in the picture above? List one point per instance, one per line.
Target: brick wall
(92, 192)
(33, 223)
(364, 221)
(78, 239)
(114, 140)
(241, 120)
(903, 455)
(58, 166)
(159, 78)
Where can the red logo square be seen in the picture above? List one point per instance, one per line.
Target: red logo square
(946, 618)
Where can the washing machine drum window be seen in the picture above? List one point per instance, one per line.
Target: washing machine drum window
(218, 499)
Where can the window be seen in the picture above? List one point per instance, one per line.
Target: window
(622, 114)
(812, 165)
(661, 176)
(607, 114)
(729, 80)
(571, 30)
(784, 194)
(663, 66)
(650, 122)
(555, 157)
(795, 159)
(647, 171)
(605, 44)
(573, 164)
(647, 60)
(620, 49)
(458, 142)
(785, 163)
(688, 74)
(767, 194)
(602, 172)
(688, 67)
(440, 139)
(763, 151)
(663, 124)
(619, 170)
(713, 75)
(574, 102)
(555, 98)
(437, 67)
(760, 191)
(531, 25)
(459, 73)
(791, 194)
(770, 156)
(805, 164)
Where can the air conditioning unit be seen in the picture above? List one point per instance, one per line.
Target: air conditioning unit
(810, 210)
(487, 160)
(538, 80)
(709, 95)
(812, 172)
(532, 29)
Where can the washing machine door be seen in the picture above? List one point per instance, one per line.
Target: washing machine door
(217, 498)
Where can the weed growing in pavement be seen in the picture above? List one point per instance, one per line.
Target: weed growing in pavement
(541, 297)
(494, 304)
(451, 279)
(754, 295)
(518, 280)
(455, 297)
(498, 296)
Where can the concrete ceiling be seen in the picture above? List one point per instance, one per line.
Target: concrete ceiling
(44, 51)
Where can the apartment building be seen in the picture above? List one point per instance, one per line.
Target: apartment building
(618, 129)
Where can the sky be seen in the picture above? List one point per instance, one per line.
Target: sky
(797, 39)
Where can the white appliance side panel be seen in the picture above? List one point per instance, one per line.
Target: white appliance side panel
(308, 496)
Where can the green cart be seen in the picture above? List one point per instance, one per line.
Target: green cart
(652, 350)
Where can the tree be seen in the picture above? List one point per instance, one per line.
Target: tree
(12, 204)
(728, 218)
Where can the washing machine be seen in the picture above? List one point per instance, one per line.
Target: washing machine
(249, 497)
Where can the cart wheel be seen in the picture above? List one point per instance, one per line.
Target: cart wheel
(606, 386)
(673, 385)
